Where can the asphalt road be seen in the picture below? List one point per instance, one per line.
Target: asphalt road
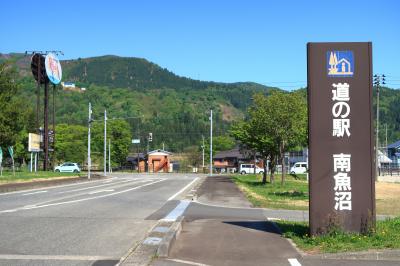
(93, 223)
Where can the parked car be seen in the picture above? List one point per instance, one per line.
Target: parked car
(68, 167)
(299, 168)
(249, 169)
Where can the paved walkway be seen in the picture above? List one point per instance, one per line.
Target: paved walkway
(220, 235)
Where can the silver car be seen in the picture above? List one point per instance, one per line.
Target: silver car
(68, 167)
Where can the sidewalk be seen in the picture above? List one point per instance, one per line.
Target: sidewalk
(231, 239)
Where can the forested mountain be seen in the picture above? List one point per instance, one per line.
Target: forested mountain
(175, 109)
(153, 99)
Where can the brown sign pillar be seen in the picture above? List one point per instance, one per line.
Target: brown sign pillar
(342, 188)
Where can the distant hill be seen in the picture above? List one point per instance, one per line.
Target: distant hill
(175, 109)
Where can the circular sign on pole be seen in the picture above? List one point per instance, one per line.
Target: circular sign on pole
(53, 68)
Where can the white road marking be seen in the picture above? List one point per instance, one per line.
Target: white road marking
(294, 262)
(80, 200)
(54, 257)
(188, 262)
(178, 211)
(85, 188)
(36, 192)
(51, 187)
(100, 191)
(183, 189)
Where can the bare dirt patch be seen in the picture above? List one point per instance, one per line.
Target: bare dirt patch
(387, 198)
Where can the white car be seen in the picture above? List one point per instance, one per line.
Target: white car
(68, 167)
(249, 169)
(299, 168)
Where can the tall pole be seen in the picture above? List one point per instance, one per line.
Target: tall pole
(46, 126)
(211, 136)
(377, 131)
(377, 82)
(38, 94)
(88, 154)
(105, 142)
(203, 150)
(54, 126)
(109, 156)
(386, 140)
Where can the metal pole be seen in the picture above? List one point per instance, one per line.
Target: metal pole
(38, 94)
(31, 162)
(109, 156)
(105, 142)
(203, 150)
(89, 136)
(46, 126)
(54, 127)
(211, 135)
(377, 132)
(36, 161)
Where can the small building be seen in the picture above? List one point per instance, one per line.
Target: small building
(137, 161)
(229, 161)
(158, 161)
(393, 151)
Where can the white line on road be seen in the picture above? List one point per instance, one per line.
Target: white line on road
(183, 189)
(85, 188)
(36, 192)
(54, 257)
(52, 187)
(178, 211)
(188, 262)
(84, 199)
(294, 262)
(100, 191)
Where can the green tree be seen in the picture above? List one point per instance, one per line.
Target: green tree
(275, 124)
(16, 118)
(71, 143)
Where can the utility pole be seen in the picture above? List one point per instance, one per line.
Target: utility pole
(46, 126)
(105, 142)
(211, 136)
(377, 83)
(386, 140)
(89, 125)
(109, 156)
(202, 136)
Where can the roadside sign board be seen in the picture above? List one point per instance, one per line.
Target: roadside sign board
(341, 160)
(135, 141)
(53, 68)
(34, 142)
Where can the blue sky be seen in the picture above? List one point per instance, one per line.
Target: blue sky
(229, 41)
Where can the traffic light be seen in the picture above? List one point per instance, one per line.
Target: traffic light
(150, 137)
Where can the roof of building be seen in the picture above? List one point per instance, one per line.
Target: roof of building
(159, 151)
(234, 153)
(134, 157)
(394, 145)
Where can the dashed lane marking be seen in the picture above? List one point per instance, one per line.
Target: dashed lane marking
(100, 191)
(36, 192)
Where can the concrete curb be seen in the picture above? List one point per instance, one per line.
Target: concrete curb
(169, 239)
(388, 255)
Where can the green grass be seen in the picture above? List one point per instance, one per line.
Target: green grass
(21, 176)
(387, 235)
(292, 195)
